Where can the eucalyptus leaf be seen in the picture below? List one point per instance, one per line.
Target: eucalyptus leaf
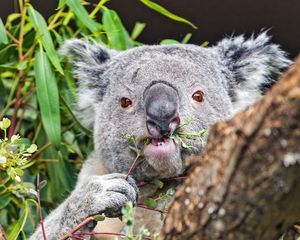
(169, 41)
(44, 36)
(137, 30)
(3, 36)
(15, 229)
(166, 13)
(48, 98)
(5, 199)
(116, 33)
(150, 202)
(83, 15)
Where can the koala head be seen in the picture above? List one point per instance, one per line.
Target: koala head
(149, 91)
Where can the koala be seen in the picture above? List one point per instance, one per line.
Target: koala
(149, 92)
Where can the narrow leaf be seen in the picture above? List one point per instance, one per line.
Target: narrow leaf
(116, 33)
(3, 36)
(40, 26)
(166, 13)
(137, 30)
(5, 199)
(150, 202)
(15, 229)
(168, 42)
(83, 15)
(61, 3)
(186, 38)
(48, 99)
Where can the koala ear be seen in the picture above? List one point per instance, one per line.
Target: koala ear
(88, 62)
(254, 65)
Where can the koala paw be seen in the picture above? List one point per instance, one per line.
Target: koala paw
(103, 194)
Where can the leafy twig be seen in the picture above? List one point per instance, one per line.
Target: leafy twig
(134, 147)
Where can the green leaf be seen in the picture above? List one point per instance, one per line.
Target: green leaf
(204, 44)
(43, 184)
(19, 171)
(61, 3)
(15, 229)
(83, 15)
(99, 217)
(170, 192)
(3, 36)
(32, 148)
(168, 42)
(116, 33)
(166, 13)
(48, 99)
(44, 36)
(5, 199)
(158, 183)
(22, 65)
(137, 30)
(186, 38)
(150, 202)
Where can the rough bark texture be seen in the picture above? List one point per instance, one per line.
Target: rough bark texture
(246, 184)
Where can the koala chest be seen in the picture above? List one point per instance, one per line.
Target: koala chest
(147, 218)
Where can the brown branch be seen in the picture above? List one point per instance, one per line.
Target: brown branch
(18, 104)
(77, 227)
(39, 206)
(245, 185)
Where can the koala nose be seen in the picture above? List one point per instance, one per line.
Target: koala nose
(161, 104)
(157, 129)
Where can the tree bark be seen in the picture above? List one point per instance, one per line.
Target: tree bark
(246, 183)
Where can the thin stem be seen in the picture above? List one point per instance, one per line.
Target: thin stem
(55, 18)
(17, 105)
(21, 33)
(76, 228)
(141, 205)
(105, 233)
(132, 166)
(39, 207)
(12, 37)
(40, 150)
(97, 8)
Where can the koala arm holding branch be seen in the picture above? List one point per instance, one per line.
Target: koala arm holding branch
(97, 195)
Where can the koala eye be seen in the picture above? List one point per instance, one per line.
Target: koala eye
(198, 96)
(125, 102)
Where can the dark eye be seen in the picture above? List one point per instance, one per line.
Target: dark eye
(125, 102)
(198, 96)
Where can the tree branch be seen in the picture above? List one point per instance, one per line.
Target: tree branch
(246, 184)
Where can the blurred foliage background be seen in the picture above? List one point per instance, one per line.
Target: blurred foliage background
(38, 95)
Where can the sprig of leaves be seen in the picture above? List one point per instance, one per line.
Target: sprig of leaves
(128, 218)
(182, 137)
(14, 159)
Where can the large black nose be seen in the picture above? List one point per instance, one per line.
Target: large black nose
(161, 104)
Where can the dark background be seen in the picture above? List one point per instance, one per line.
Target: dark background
(214, 18)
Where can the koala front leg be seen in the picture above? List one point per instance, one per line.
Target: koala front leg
(99, 194)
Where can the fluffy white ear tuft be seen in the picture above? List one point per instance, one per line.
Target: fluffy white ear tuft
(255, 65)
(88, 62)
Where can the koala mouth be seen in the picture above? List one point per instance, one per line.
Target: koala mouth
(162, 149)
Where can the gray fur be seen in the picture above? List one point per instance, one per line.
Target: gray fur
(230, 74)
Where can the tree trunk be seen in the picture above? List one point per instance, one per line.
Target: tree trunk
(246, 184)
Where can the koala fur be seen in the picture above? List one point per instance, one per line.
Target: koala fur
(232, 75)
